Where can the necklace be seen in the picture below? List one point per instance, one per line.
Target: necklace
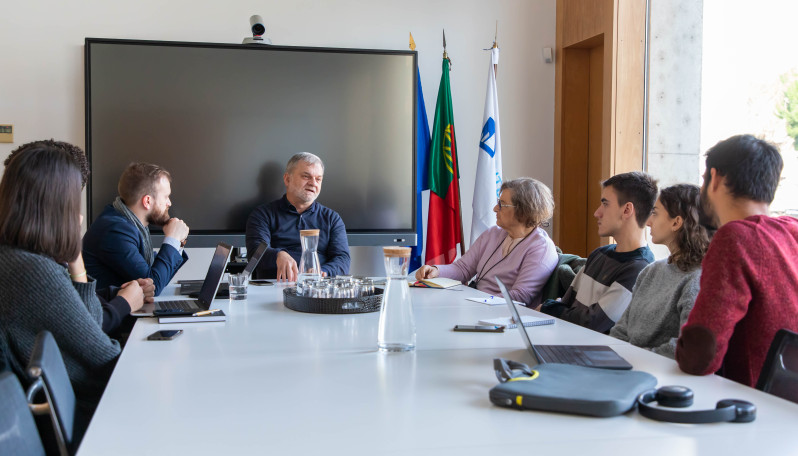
(480, 275)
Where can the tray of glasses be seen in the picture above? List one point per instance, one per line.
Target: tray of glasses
(362, 304)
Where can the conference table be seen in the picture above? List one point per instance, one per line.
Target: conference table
(270, 380)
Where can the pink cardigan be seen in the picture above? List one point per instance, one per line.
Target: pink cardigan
(525, 269)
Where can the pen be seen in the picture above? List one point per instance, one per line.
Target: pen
(204, 312)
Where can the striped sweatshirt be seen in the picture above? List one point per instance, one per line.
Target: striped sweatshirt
(602, 290)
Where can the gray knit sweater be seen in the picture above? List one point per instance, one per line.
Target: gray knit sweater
(661, 301)
(36, 293)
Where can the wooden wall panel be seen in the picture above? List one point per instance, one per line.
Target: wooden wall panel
(629, 86)
(596, 162)
(583, 19)
(618, 26)
(558, 59)
(575, 148)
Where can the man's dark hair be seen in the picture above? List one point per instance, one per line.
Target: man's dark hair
(751, 167)
(636, 187)
(40, 202)
(75, 152)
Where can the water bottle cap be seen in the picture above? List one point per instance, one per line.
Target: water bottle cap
(396, 251)
(308, 232)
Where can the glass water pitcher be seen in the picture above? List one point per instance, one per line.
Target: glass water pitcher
(397, 330)
(309, 265)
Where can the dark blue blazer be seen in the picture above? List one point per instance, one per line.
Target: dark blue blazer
(113, 252)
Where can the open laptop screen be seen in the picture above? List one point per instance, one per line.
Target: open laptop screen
(517, 318)
(215, 271)
(255, 258)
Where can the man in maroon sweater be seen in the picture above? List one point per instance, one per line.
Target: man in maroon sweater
(749, 279)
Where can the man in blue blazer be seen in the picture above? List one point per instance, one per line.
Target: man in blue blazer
(117, 247)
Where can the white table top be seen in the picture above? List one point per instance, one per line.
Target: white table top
(271, 380)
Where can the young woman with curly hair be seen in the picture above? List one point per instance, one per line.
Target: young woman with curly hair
(665, 290)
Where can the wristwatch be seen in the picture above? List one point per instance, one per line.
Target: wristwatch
(183, 242)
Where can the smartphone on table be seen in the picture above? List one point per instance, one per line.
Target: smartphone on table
(479, 328)
(165, 334)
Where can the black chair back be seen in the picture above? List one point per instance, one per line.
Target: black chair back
(780, 373)
(18, 433)
(49, 374)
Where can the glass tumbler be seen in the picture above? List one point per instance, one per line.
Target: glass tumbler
(238, 286)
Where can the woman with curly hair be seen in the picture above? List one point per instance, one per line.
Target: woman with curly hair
(665, 290)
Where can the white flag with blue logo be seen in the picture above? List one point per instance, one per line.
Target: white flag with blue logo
(489, 161)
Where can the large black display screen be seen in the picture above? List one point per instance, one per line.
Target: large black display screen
(224, 119)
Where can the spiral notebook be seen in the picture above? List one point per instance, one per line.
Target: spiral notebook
(528, 320)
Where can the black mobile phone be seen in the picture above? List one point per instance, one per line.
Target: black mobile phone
(479, 328)
(260, 282)
(165, 334)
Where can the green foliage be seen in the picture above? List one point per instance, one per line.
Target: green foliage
(789, 110)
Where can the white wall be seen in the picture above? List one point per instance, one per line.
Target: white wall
(41, 69)
(674, 97)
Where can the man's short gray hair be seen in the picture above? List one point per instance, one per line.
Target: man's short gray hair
(306, 157)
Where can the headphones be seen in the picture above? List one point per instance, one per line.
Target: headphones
(733, 410)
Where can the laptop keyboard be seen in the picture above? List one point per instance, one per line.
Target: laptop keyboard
(178, 304)
(564, 354)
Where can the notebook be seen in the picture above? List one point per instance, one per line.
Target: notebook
(192, 287)
(216, 316)
(600, 356)
(437, 282)
(491, 301)
(508, 322)
(209, 287)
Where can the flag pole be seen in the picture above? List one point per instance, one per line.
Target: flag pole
(459, 197)
(495, 46)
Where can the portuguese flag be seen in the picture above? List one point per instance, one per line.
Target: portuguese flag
(444, 222)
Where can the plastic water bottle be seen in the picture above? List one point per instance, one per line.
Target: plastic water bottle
(397, 331)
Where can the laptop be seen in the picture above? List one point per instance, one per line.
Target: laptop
(192, 287)
(209, 288)
(600, 356)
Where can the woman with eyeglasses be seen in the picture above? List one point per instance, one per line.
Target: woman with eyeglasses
(517, 250)
(665, 290)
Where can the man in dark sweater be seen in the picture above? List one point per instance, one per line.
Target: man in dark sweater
(602, 290)
(749, 274)
(278, 224)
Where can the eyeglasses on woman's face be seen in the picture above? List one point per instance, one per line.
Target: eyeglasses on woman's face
(502, 204)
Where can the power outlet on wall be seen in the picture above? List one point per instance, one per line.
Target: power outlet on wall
(6, 133)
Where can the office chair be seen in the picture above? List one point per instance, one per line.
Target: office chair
(49, 374)
(18, 433)
(780, 373)
(560, 279)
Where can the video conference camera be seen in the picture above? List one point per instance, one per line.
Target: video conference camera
(258, 29)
